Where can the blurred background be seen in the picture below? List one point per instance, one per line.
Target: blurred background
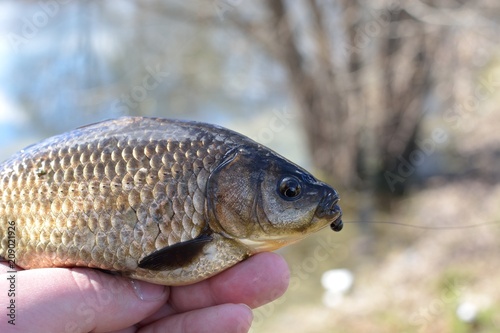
(394, 103)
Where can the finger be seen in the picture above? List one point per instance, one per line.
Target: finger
(230, 318)
(78, 300)
(255, 281)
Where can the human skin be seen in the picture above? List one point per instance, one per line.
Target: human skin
(86, 300)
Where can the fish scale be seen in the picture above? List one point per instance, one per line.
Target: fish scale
(123, 182)
(160, 200)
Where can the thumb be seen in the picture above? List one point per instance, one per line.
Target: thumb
(75, 300)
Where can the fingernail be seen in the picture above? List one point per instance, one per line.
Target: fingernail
(245, 322)
(148, 291)
(246, 306)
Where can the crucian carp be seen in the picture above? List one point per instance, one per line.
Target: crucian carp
(165, 201)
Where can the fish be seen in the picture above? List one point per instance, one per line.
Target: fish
(165, 201)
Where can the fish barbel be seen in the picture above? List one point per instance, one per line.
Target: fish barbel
(165, 201)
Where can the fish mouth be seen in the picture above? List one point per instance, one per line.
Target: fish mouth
(328, 209)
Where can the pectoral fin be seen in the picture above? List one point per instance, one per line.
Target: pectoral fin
(175, 256)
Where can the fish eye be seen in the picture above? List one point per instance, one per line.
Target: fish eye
(289, 188)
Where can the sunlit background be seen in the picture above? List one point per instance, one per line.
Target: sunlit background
(395, 103)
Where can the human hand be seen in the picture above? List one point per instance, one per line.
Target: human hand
(60, 300)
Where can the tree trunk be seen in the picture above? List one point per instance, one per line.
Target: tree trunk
(353, 136)
(332, 141)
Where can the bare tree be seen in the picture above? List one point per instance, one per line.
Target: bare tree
(343, 121)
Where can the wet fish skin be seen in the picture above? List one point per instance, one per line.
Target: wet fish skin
(159, 200)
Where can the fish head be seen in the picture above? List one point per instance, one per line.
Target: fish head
(265, 201)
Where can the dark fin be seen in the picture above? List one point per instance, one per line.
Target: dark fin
(176, 256)
(107, 271)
